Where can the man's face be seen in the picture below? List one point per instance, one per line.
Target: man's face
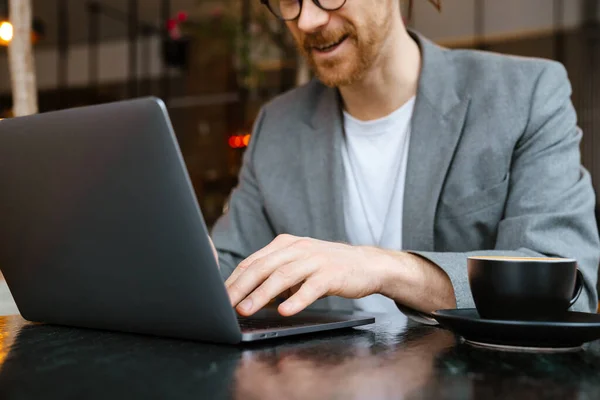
(341, 46)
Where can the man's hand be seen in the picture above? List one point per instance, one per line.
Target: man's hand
(318, 268)
(311, 269)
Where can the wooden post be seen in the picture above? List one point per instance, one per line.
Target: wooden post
(21, 61)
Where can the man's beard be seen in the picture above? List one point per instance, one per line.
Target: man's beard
(343, 71)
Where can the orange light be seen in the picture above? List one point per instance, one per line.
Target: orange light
(231, 141)
(6, 33)
(238, 141)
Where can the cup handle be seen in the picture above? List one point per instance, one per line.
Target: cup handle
(578, 287)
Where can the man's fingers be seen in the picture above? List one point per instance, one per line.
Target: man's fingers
(259, 271)
(278, 243)
(282, 279)
(314, 288)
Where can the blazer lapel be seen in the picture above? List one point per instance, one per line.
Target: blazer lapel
(324, 171)
(437, 124)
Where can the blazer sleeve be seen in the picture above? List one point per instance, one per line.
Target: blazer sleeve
(244, 227)
(550, 206)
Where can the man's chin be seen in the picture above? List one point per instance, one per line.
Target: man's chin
(335, 73)
(333, 79)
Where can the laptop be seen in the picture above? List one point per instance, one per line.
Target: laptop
(100, 228)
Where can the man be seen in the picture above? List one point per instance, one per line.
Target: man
(369, 187)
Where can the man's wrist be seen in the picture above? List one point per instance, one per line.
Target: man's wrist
(396, 273)
(413, 281)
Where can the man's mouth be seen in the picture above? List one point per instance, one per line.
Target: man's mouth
(327, 47)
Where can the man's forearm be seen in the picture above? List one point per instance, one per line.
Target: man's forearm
(415, 282)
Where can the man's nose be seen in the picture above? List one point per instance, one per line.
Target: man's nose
(312, 18)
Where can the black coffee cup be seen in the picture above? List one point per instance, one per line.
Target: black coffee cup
(523, 288)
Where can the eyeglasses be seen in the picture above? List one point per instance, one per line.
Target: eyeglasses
(289, 10)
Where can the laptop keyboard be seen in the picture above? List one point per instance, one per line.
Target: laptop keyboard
(278, 322)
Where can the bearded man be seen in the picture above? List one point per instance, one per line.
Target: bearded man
(370, 186)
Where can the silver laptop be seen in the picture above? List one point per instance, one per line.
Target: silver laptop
(100, 228)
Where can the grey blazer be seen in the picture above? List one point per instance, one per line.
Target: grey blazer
(493, 169)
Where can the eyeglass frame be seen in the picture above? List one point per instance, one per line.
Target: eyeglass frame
(317, 3)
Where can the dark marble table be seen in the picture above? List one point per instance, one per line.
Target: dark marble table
(387, 360)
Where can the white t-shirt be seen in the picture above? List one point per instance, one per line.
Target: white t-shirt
(375, 155)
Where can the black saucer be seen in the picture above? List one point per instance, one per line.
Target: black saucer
(569, 332)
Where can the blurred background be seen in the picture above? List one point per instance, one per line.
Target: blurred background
(214, 62)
